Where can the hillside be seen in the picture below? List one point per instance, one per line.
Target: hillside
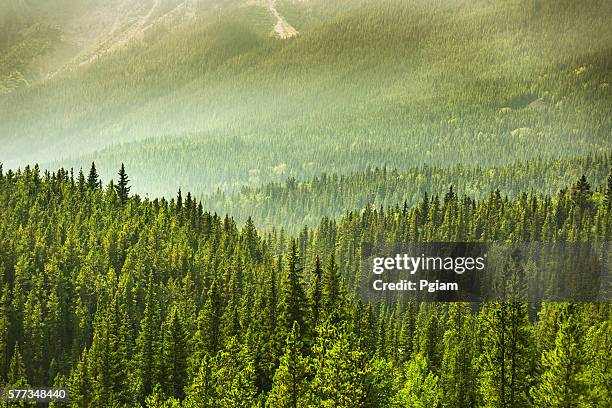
(378, 83)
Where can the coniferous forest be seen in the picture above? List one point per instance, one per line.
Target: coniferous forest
(191, 191)
(128, 301)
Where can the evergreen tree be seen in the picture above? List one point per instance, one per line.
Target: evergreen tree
(421, 388)
(17, 375)
(201, 392)
(332, 295)
(561, 384)
(292, 305)
(457, 374)
(581, 192)
(158, 399)
(597, 361)
(609, 189)
(108, 356)
(290, 388)
(208, 334)
(175, 354)
(234, 377)
(148, 347)
(339, 366)
(92, 178)
(80, 384)
(122, 187)
(506, 361)
(316, 293)
(4, 329)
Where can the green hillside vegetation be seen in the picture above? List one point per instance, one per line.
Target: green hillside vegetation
(130, 301)
(294, 203)
(385, 83)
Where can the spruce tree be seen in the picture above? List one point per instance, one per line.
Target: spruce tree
(598, 360)
(234, 376)
(332, 295)
(561, 384)
(421, 388)
(148, 345)
(122, 187)
(340, 368)
(457, 373)
(92, 178)
(609, 190)
(208, 333)
(17, 376)
(175, 355)
(290, 387)
(80, 384)
(315, 293)
(506, 360)
(4, 328)
(292, 306)
(201, 391)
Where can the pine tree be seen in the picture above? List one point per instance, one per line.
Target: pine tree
(290, 387)
(17, 376)
(158, 399)
(122, 187)
(4, 328)
(108, 356)
(332, 295)
(234, 377)
(506, 361)
(581, 192)
(421, 388)
(561, 384)
(457, 374)
(339, 366)
(609, 190)
(598, 360)
(208, 334)
(175, 354)
(292, 305)
(92, 179)
(315, 293)
(148, 345)
(80, 384)
(201, 391)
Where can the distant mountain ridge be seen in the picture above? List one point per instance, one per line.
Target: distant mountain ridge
(79, 32)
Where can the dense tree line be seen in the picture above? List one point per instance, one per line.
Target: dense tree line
(130, 301)
(295, 203)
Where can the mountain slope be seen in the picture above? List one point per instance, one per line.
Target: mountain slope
(395, 83)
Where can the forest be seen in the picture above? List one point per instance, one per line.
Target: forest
(128, 301)
(295, 203)
(365, 84)
(197, 226)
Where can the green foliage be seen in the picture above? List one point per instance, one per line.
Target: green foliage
(421, 388)
(340, 368)
(223, 104)
(561, 383)
(294, 203)
(154, 303)
(290, 388)
(506, 361)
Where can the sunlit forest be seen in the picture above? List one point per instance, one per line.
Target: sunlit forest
(188, 189)
(199, 104)
(128, 301)
(295, 203)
